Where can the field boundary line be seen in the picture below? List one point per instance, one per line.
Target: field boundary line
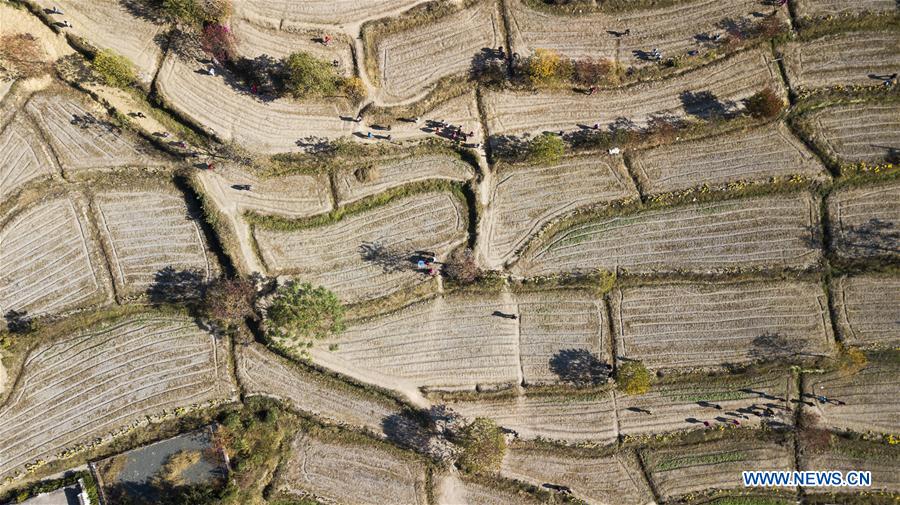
(507, 297)
(630, 170)
(650, 484)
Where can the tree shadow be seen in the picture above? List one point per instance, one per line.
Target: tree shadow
(315, 145)
(579, 367)
(18, 321)
(174, 286)
(147, 10)
(391, 260)
(508, 147)
(489, 67)
(704, 105)
(405, 430)
(875, 237)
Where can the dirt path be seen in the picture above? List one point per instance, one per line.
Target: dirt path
(449, 490)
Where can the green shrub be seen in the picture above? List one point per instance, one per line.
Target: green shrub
(197, 12)
(546, 148)
(309, 76)
(354, 88)
(301, 311)
(633, 378)
(114, 69)
(483, 447)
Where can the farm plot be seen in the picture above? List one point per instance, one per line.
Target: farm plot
(754, 155)
(845, 59)
(461, 111)
(862, 402)
(868, 310)
(701, 325)
(369, 254)
(858, 133)
(852, 455)
(674, 30)
(264, 373)
(706, 466)
(769, 232)
(287, 12)
(289, 196)
(615, 479)
(82, 138)
(237, 115)
(254, 40)
(412, 61)
(563, 338)
(352, 184)
(326, 469)
(526, 199)
(864, 221)
(49, 262)
(448, 342)
(107, 24)
(148, 233)
(23, 156)
(715, 89)
(686, 404)
(834, 8)
(567, 418)
(106, 380)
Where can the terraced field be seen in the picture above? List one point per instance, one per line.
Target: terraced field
(702, 325)
(861, 402)
(675, 29)
(706, 466)
(23, 156)
(844, 59)
(754, 155)
(108, 24)
(822, 8)
(412, 61)
(81, 145)
(288, 12)
(48, 260)
(146, 232)
(105, 380)
(233, 114)
(864, 221)
(525, 199)
(461, 111)
(715, 89)
(289, 196)
(351, 473)
(770, 232)
(351, 185)
(254, 40)
(881, 459)
(367, 255)
(859, 132)
(868, 310)
(453, 490)
(448, 342)
(686, 404)
(567, 418)
(607, 480)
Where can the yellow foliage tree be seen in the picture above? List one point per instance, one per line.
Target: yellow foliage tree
(544, 66)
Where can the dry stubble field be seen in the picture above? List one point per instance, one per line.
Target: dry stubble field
(329, 12)
(842, 60)
(280, 42)
(761, 154)
(822, 8)
(770, 232)
(289, 195)
(351, 184)
(525, 199)
(864, 220)
(868, 310)
(105, 380)
(857, 133)
(23, 156)
(881, 459)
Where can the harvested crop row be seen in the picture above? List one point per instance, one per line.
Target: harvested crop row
(368, 180)
(450, 489)
(862, 402)
(23, 156)
(772, 232)
(368, 255)
(254, 40)
(49, 262)
(754, 155)
(289, 196)
(108, 24)
(525, 199)
(612, 479)
(863, 221)
(860, 132)
(460, 111)
(412, 61)
(235, 114)
(868, 310)
(289, 12)
(326, 469)
(835, 8)
(707, 466)
(151, 236)
(842, 60)
(699, 325)
(674, 29)
(715, 89)
(106, 380)
(82, 139)
(844, 455)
